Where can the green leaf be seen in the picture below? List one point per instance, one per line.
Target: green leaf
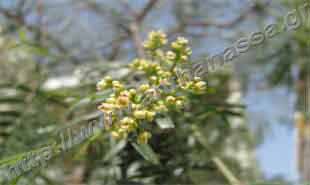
(115, 150)
(165, 123)
(39, 51)
(146, 152)
(15, 181)
(94, 98)
(22, 35)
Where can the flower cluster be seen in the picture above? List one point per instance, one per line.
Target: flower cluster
(130, 111)
(156, 40)
(180, 50)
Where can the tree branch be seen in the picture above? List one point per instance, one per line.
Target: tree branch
(140, 17)
(220, 24)
(19, 20)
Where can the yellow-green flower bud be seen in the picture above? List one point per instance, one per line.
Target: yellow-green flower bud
(197, 78)
(160, 106)
(132, 93)
(171, 55)
(170, 100)
(128, 124)
(150, 115)
(153, 79)
(136, 106)
(152, 92)
(106, 107)
(159, 54)
(144, 87)
(139, 114)
(111, 100)
(200, 86)
(155, 40)
(108, 79)
(182, 40)
(135, 64)
(104, 83)
(189, 85)
(127, 120)
(167, 74)
(119, 134)
(176, 45)
(160, 72)
(179, 104)
(101, 85)
(144, 137)
(115, 134)
(117, 85)
(164, 82)
(123, 101)
(184, 58)
(188, 51)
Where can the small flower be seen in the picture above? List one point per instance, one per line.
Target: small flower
(179, 104)
(164, 82)
(115, 134)
(127, 121)
(196, 78)
(176, 46)
(180, 47)
(153, 79)
(189, 85)
(139, 114)
(182, 40)
(160, 107)
(144, 87)
(106, 107)
(135, 64)
(171, 55)
(156, 39)
(111, 100)
(136, 106)
(150, 115)
(104, 83)
(151, 91)
(101, 85)
(119, 134)
(188, 51)
(200, 86)
(117, 85)
(159, 54)
(170, 100)
(123, 101)
(184, 58)
(132, 93)
(128, 124)
(144, 137)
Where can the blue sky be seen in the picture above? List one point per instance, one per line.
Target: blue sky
(274, 109)
(277, 156)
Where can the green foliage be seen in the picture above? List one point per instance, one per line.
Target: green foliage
(174, 155)
(198, 136)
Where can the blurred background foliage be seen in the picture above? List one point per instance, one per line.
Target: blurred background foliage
(53, 53)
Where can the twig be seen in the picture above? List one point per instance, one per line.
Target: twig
(19, 20)
(221, 166)
(134, 31)
(140, 17)
(219, 24)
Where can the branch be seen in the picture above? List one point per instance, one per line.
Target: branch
(140, 17)
(220, 24)
(134, 31)
(19, 20)
(136, 24)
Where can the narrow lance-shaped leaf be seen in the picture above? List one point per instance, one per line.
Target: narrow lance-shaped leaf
(146, 152)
